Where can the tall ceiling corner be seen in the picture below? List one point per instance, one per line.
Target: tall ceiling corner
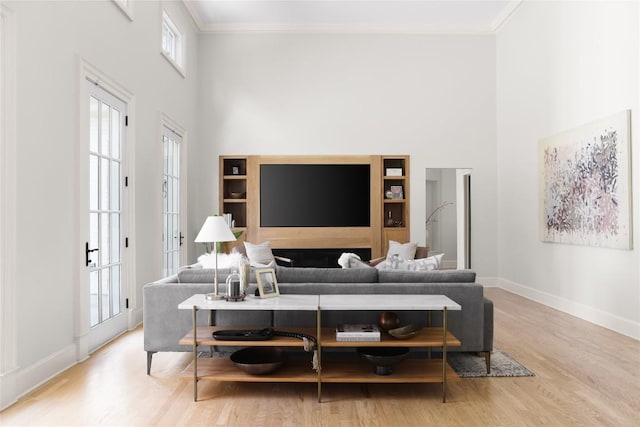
(195, 15)
(505, 14)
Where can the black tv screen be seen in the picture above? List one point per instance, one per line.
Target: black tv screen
(315, 195)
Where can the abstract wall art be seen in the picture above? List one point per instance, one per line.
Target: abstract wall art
(585, 184)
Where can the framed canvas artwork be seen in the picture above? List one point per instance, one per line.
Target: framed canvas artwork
(585, 184)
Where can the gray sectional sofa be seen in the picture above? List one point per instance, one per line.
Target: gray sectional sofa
(165, 325)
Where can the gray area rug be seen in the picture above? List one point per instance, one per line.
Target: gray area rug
(470, 365)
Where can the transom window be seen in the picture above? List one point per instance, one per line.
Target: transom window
(172, 43)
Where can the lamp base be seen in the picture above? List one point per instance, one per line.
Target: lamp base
(213, 297)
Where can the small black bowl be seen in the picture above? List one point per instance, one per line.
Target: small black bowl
(258, 360)
(383, 357)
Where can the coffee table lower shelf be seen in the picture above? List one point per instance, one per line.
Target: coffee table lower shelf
(407, 371)
(223, 369)
(343, 371)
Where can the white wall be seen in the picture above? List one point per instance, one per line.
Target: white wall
(51, 37)
(560, 65)
(432, 97)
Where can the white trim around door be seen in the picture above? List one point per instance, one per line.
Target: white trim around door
(91, 76)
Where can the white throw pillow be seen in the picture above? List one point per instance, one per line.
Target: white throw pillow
(430, 263)
(259, 254)
(404, 250)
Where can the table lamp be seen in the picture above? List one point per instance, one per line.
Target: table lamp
(215, 230)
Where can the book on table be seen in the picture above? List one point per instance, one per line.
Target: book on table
(357, 332)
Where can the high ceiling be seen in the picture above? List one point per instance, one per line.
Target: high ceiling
(394, 16)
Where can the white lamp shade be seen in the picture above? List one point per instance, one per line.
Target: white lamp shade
(215, 229)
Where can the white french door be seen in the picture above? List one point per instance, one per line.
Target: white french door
(172, 238)
(105, 244)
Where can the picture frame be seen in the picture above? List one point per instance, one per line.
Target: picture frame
(397, 192)
(267, 283)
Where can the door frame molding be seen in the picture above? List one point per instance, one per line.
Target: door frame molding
(176, 128)
(89, 73)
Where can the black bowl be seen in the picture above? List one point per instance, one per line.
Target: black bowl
(383, 357)
(258, 360)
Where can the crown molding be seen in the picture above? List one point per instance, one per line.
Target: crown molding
(274, 28)
(506, 13)
(345, 29)
(195, 16)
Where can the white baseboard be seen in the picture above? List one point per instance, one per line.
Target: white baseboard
(21, 381)
(34, 376)
(489, 282)
(8, 395)
(134, 319)
(584, 312)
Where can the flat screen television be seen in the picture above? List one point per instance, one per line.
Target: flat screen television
(315, 195)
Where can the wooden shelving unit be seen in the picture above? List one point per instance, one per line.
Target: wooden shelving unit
(336, 367)
(241, 174)
(233, 189)
(395, 211)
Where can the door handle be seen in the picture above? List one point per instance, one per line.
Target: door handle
(181, 238)
(88, 253)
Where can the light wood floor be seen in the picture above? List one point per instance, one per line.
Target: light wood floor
(585, 375)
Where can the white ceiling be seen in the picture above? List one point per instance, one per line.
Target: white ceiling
(394, 16)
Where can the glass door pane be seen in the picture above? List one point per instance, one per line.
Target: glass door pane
(105, 234)
(171, 235)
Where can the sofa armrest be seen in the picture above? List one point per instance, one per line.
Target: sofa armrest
(376, 261)
(280, 260)
(164, 324)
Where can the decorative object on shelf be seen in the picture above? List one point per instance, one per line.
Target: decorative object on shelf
(228, 218)
(390, 221)
(388, 194)
(383, 358)
(258, 360)
(357, 332)
(397, 192)
(393, 172)
(267, 283)
(389, 320)
(235, 170)
(215, 230)
(404, 332)
(234, 292)
(236, 195)
(585, 184)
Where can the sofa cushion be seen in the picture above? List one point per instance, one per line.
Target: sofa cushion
(433, 276)
(324, 275)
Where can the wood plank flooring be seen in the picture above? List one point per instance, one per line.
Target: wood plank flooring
(585, 375)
